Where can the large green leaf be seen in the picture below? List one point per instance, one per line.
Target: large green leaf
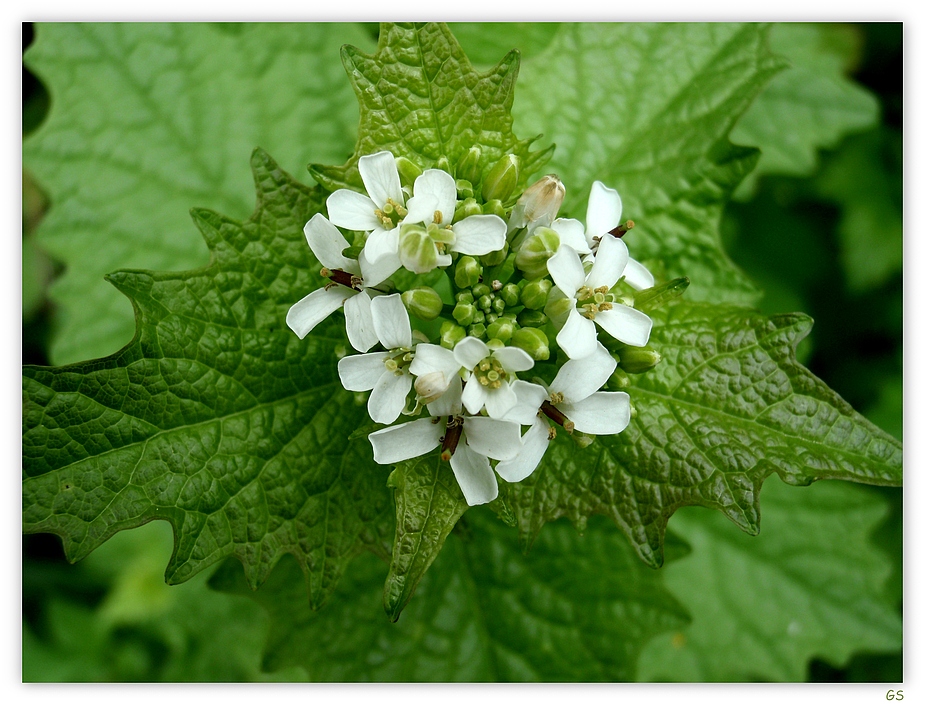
(727, 406)
(810, 586)
(579, 608)
(216, 417)
(148, 120)
(604, 93)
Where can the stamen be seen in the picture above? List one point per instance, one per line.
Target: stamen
(438, 217)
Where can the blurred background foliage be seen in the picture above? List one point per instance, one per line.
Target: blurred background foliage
(828, 244)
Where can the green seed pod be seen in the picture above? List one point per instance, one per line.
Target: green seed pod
(465, 297)
(477, 330)
(636, 360)
(479, 290)
(496, 257)
(502, 329)
(423, 302)
(464, 189)
(494, 207)
(468, 271)
(468, 165)
(535, 294)
(536, 251)
(450, 334)
(533, 341)
(510, 294)
(501, 181)
(408, 171)
(532, 319)
(464, 313)
(497, 305)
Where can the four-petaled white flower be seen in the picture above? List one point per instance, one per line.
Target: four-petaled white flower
(327, 244)
(490, 374)
(387, 374)
(466, 441)
(580, 300)
(572, 401)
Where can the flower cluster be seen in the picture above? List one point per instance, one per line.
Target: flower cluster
(479, 311)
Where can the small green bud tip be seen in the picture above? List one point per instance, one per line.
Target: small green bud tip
(535, 294)
(533, 341)
(501, 181)
(637, 360)
(408, 171)
(468, 165)
(450, 334)
(468, 271)
(423, 302)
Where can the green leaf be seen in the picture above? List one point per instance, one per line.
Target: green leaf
(579, 608)
(809, 107)
(421, 99)
(727, 406)
(216, 418)
(147, 120)
(658, 135)
(814, 589)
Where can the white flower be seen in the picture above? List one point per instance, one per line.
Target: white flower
(346, 290)
(467, 441)
(387, 374)
(488, 383)
(578, 301)
(605, 208)
(573, 402)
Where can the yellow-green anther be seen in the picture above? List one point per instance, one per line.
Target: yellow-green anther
(510, 294)
(535, 252)
(636, 360)
(464, 313)
(533, 341)
(468, 271)
(468, 165)
(408, 171)
(535, 293)
(501, 181)
(450, 334)
(598, 298)
(391, 365)
(423, 302)
(495, 257)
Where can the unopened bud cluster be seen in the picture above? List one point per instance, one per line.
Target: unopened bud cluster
(516, 323)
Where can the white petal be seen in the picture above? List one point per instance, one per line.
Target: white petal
(602, 413)
(578, 336)
(359, 373)
(374, 273)
(442, 187)
(529, 398)
(407, 440)
(626, 324)
(579, 378)
(499, 401)
(450, 403)
(360, 330)
(479, 235)
(493, 437)
(474, 474)
(470, 351)
(380, 177)
(566, 270)
(605, 208)
(433, 358)
(421, 209)
(609, 263)
(513, 359)
(314, 308)
(533, 447)
(327, 244)
(390, 318)
(572, 233)
(473, 396)
(352, 210)
(381, 243)
(388, 397)
(637, 276)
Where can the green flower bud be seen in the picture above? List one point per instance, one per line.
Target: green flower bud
(494, 207)
(535, 293)
(468, 165)
(465, 297)
(408, 171)
(536, 251)
(510, 294)
(490, 318)
(468, 271)
(468, 207)
(650, 299)
(539, 204)
(464, 189)
(636, 360)
(463, 313)
(494, 344)
(484, 303)
(450, 334)
(477, 330)
(479, 290)
(496, 257)
(497, 305)
(443, 164)
(502, 179)
(533, 341)
(619, 380)
(417, 249)
(532, 319)
(502, 329)
(479, 317)
(423, 302)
